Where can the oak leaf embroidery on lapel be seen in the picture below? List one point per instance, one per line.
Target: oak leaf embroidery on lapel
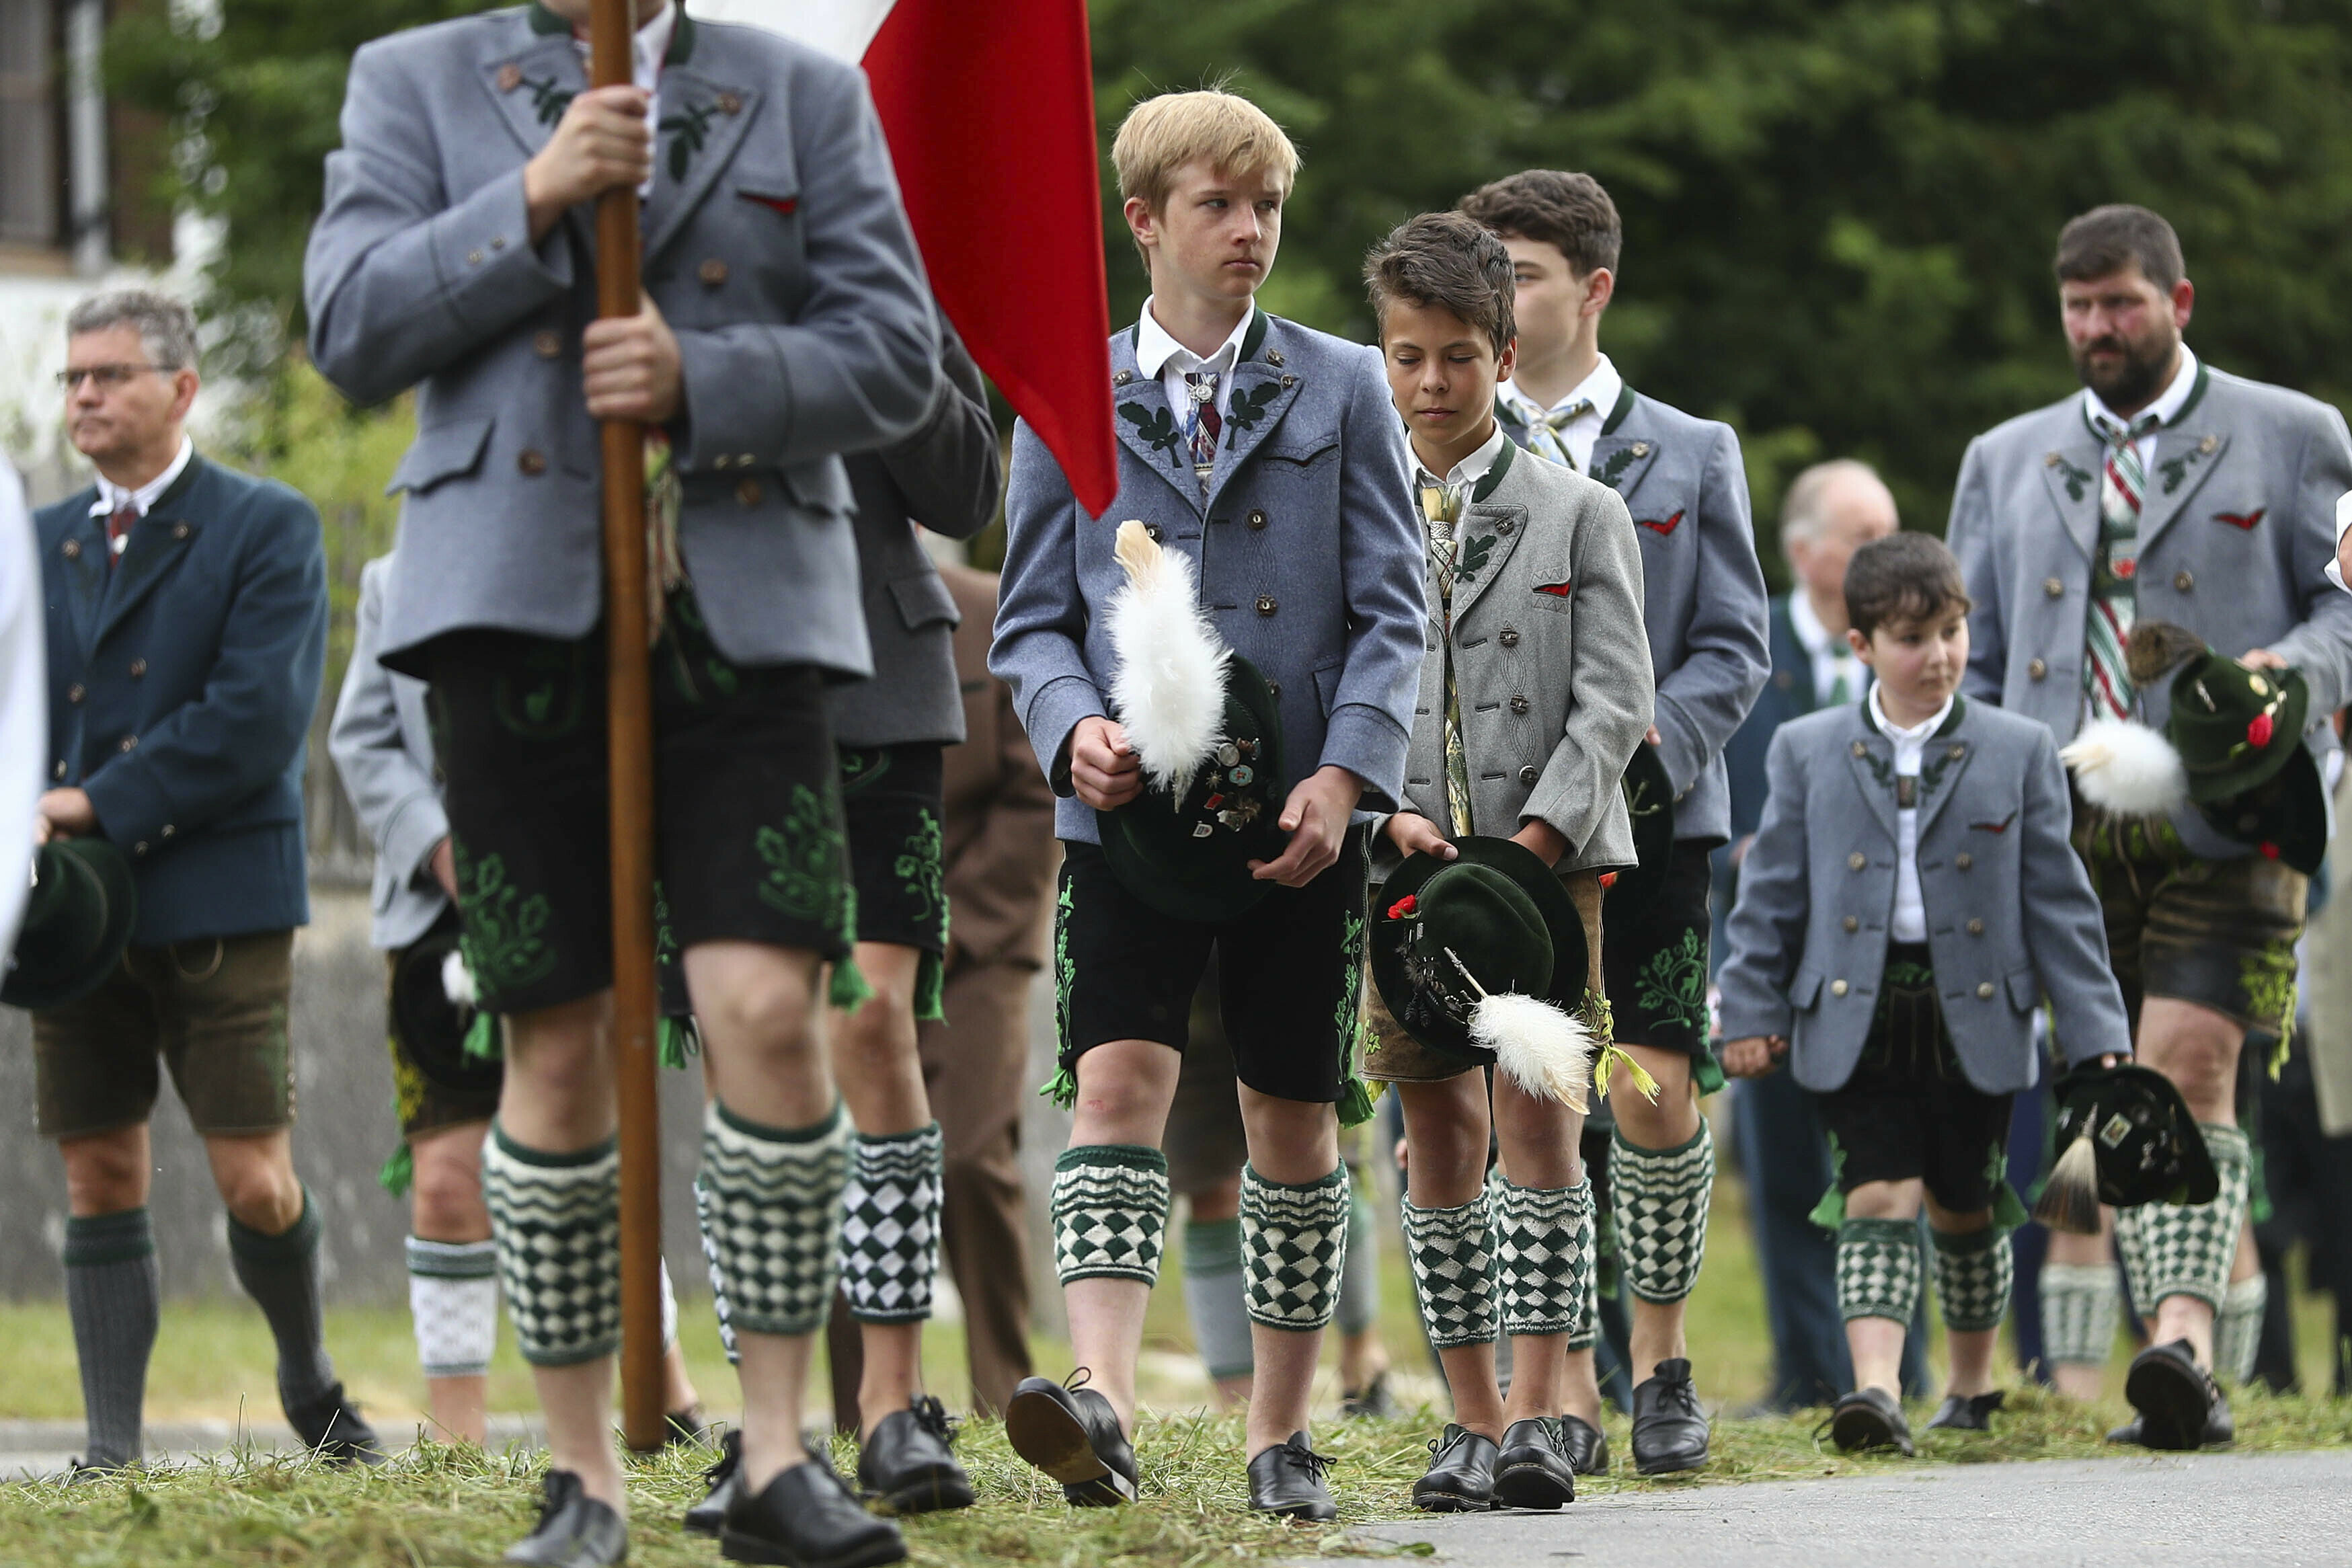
(1157, 425)
(1610, 472)
(2078, 480)
(1473, 558)
(687, 131)
(2175, 470)
(1248, 408)
(1933, 773)
(1661, 527)
(2244, 521)
(549, 97)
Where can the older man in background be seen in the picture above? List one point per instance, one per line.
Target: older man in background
(1832, 509)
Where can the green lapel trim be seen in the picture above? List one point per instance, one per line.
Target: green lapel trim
(1623, 405)
(1952, 721)
(681, 37)
(543, 20)
(181, 486)
(2196, 395)
(1494, 475)
(1256, 336)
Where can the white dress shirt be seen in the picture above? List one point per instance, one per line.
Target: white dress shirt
(2167, 408)
(647, 49)
(1910, 922)
(1602, 389)
(1473, 467)
(1158, 354)
(23, 704)
(1833, 656)
(2343, 526)
(112, 497)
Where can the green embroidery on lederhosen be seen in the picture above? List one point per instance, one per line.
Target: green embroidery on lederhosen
(1674, 982)
(547, 700)
(921, 876)
(859, 769)
(1062, 1089)
(2266, 979)
(1908, 975)
(407, 1083)
(664, 939)
(803, 858)
(500, 927)
(1829, 1213)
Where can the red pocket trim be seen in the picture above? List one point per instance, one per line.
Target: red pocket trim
(1668, 526)
(1557, 590)
(787, 205)
(2243, 522)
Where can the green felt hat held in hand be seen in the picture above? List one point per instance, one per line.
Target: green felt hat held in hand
(77, 923)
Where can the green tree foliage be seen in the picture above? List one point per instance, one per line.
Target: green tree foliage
(1839, 214)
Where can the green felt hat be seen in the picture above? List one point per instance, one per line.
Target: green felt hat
(1189, 858)
(77, 923)
(2144, 1141)
(1501, 912)
(2240, 735)
(1650, 802)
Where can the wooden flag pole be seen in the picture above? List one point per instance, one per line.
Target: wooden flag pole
(629, 713)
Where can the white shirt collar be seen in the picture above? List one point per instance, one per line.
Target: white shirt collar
(647, 49)
(1915, 738)
(1155, 350)
(2167, 407)
(1601, 388)
(1808, 626)
(112, 497)
(1474, 467)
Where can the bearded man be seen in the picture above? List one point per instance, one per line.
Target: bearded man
(2166, 491)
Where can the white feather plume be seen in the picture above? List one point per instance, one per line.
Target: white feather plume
(1540, 1047)
(1170, 691)
(456, 979)
(2126, 768)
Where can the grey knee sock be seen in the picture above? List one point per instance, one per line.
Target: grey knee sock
(1213, 1295)
(1359, 1277)
(112, 1284)
(282, 1274)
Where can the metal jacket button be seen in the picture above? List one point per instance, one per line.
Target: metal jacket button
(1257, 517)
(2183, 580)
(58, 772)
(1984, 990)
(179, 530)
(128, 744)
(2055, 588)
(1509, 637)
(1850, 923)
(70, 549)
(75, 693)
(748, 493)
(532, 461)
(546, 344)
(2036, 670)
(1857, 860)
(1154, 530)
(1265, 605)
(1527, 775)
(1518, 704)
(1975, 928)
(138, 668)
(1964, 859)
(1839, 988)
(712, 272)
(1273, 689)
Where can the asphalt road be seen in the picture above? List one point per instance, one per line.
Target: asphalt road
(2278, 1510)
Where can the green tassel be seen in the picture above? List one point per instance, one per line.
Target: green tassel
(849, 991)
(399, 1173)
(931, 986)
(1062, 1089)
(1707, 1072)
(677, 1039)
(482, 1039)
(1355, 1101)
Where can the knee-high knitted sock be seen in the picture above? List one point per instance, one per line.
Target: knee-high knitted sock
(1451, 1251)
(111, 1288)
(1359, 1277)
(1294, 1245)
(1974, 1275)
(718, 1301)
(282, 1274)
(890, 1225)
(1543, 1263)
(2081, 1305)
(1878, 1270)
(1110, 1212)
(452, 1299)
(1662, 1197)
(2178, 1250)
(2237, 1329)
(1212, 1296)
(770, 1202)
(556, 1218)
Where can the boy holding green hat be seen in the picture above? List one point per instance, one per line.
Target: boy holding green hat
(1534, 695)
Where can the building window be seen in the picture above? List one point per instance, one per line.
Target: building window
(34, 181)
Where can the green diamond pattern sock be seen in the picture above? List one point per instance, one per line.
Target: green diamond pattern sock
(1974, 1275)
(1453, 1255)
(1878, 1270)
(769, 1201)
(890, 1225)
(1110, 1212)
(1543, 1263)
(2081, 1305)
(557, 1221)
(2178, 1250)
(1662, 1197)
(1293, 1244)
(2238, 1328)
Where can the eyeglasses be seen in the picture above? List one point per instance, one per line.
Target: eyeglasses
(110, 377)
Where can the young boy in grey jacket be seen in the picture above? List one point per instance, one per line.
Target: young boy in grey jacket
(1911, 897)
(1534, 694)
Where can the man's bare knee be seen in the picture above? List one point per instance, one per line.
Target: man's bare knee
(106, 1172)
(447, 1203)
(256, 1179)
(2197, 1048)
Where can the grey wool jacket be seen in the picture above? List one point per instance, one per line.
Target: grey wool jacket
(1550, 665)
(2236, 535)
(1704, 602)
(2011, 918)
(776, 249)
(382, 742)
(1307, 553)
(944, 476)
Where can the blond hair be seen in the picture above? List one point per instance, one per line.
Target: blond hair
(1222, 129)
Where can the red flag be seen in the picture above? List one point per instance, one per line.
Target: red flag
(990, 108)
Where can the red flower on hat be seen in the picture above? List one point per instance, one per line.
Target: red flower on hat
(2258, 729)
(1404, 908)
(2269, 850)
(1608, 878)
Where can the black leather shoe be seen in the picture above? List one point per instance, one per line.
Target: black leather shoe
(1587, 1446)
(575, 1531)
(80, 1473)
(1461, 1474)
(806, 1518)
(708, 1516)
(330, 1426)
(1966, 1412)
(1373, 1402)
(1287, 1479)
(1073, 1434)
(2175, 1397)
(1534, 1470)
(680, 1428)
(1669, 1428)
(905, 1465)
(1870, 1418)
(2221, 1430)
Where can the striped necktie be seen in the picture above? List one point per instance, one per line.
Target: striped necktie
(1548, 430)
(2107, 690)
(1441, 506)
(1202, 423)
(117, 530)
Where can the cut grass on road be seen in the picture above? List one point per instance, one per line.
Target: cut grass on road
(460, 1508)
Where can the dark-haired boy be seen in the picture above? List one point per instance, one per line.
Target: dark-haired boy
(1706, 614)
(1533, 697)
(1909, 900)
(2165, 490)
(1267, 458)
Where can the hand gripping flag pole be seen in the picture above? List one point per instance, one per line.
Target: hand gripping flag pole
(629, 713)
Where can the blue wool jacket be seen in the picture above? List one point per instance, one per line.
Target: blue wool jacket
(182, 685)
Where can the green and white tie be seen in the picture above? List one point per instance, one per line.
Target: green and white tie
(1441, 506)
(1548, 429)
(2107, 690)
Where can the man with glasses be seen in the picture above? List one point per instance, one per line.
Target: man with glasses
(187, 626)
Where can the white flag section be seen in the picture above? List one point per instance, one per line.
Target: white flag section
(842, 28)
